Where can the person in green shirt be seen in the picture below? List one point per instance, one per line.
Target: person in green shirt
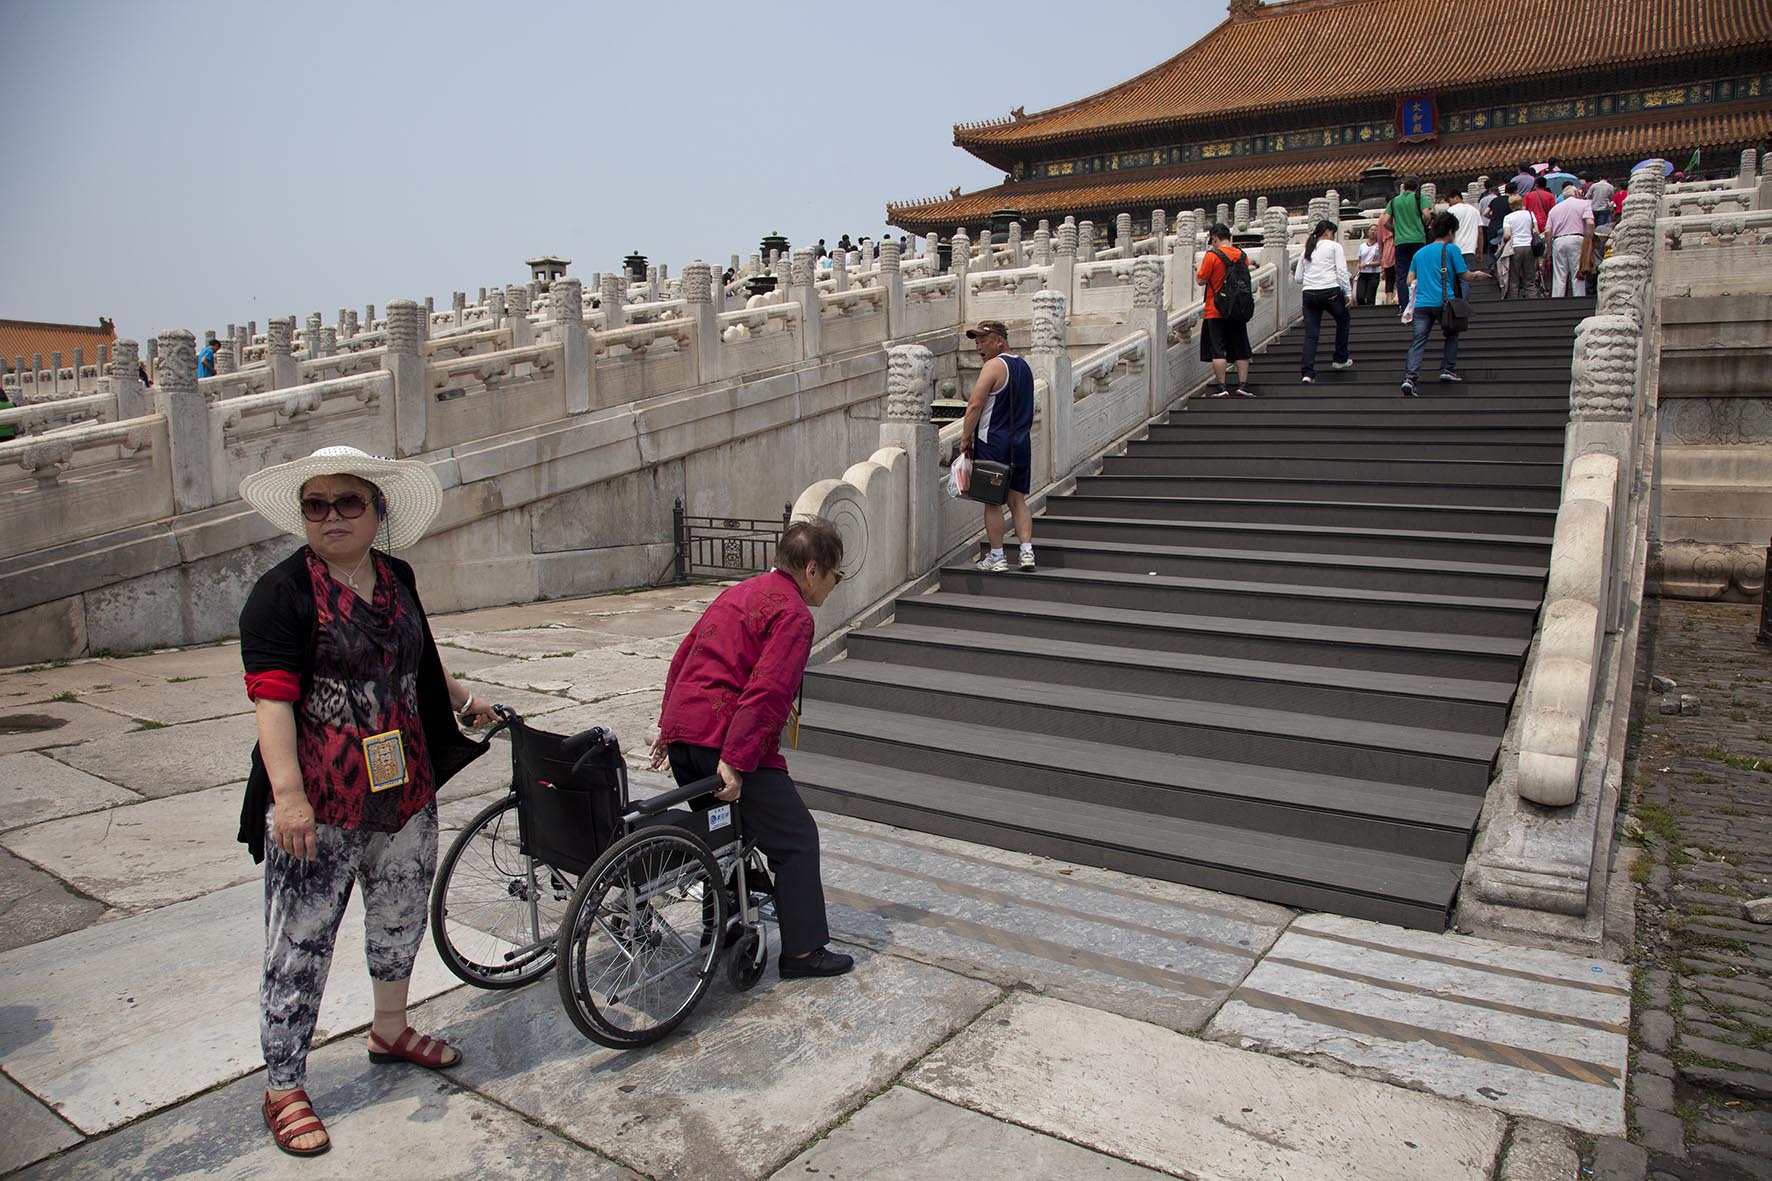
(1403, 214)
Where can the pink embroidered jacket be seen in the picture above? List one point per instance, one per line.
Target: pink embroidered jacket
(736, 674)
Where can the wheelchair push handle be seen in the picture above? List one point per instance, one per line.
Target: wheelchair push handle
(670, 799)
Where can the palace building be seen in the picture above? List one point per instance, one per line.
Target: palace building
(1293, 98)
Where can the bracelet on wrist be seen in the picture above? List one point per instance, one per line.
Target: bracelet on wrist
(466, 706)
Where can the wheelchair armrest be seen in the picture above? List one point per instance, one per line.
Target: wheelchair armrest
(671, 799)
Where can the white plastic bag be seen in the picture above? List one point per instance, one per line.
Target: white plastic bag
(959, 476)
(1408, 316)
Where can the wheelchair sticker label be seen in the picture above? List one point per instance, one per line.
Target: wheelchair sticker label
(720, 817)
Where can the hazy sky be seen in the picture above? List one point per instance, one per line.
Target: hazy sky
(185, 163)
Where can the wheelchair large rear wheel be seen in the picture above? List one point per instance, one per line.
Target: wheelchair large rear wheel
(641, 937)
(482, 919)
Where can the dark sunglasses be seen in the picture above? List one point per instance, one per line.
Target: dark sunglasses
(349, 507)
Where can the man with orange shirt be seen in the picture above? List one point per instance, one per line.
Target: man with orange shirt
(1222, 339)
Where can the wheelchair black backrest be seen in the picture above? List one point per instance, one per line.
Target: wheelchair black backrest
(567, 817)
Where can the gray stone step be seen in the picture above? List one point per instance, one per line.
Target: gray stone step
(1290, 486)
(1376, 393)
(1332, 606)
(1398, 414)
(1524, 522)
(1509, 549)
(1349, 747)
(1146, 459)
(1327, 690)
(1319, 875)
(1252, 427)
(1433, 654)
(1413, 574)
(1424, 821)
(1175, 442)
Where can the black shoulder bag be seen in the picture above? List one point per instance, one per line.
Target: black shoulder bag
(990, 479)
(1455, 309)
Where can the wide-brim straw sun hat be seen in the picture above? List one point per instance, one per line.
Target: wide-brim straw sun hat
(413, 494)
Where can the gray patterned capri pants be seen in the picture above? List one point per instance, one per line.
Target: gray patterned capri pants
(304, 902)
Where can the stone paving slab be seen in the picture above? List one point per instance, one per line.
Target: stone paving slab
(905, 1132)
(36, 905)
(153, 854)
(466, 660)
(734, 1092)
(389, 1122)
(584, 676)
(1536, 1033)
(1159, 952)
(113, 1022)
(213, 660)
(35, 788)
(42, 682)
(1198, 1109)
(46, 724)
(32, 1130)
(528, 643)
(171, 760)
(171, 702)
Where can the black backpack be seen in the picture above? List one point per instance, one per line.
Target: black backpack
(1235, 297)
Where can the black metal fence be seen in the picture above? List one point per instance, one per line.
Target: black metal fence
(724, 547)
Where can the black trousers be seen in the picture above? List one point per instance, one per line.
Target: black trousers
(774, 816)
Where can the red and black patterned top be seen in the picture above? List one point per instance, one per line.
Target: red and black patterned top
(735, 675)
(363, 682)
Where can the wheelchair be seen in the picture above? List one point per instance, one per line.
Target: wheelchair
(629, 903)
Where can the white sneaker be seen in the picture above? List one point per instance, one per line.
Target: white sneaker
(996, 565)
(1347, 364)
(1027, 560)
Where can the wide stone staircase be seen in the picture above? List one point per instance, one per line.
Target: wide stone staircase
(1271, 646)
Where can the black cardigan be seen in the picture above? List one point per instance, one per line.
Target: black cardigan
(277, 631)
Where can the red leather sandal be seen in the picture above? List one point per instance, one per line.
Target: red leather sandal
(415, 1048)
(286, 1125)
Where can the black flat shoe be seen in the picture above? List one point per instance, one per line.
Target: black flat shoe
(822, 962)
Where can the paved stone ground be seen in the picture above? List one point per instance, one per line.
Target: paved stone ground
(1701, 808)
(1010, 1016)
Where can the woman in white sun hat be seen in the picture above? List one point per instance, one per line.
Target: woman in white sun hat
(355, 736)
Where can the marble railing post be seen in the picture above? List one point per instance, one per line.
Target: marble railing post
(1086, 241)
(805, 292)
(1016, 257)
(225, 361)
(1049, 359)
(328, 341)
(567, 305)
(187, 421)
(406, 361)
(1042, 246)
(55, 372)
(1149, 314)
(1222, 215)
(1159, 230)
(959, 264)
(522, 332)
(698, 293)
(126, 380)
(1430, 192)
(495, 307)
(1181, 261)
(840, 270)
(893, 279)
(1064, 261)
(987, 255)
(1123, 234)
(310, 341)
(279, 352)
(1274, 237)
(1240, 218)
(910, 397)
(153, 361)
(1749, 174)
(458, 306)
(614, 300)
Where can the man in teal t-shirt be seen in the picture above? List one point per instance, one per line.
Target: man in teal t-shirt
(1404, 216)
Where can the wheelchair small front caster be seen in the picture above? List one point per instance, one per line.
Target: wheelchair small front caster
(747, 959)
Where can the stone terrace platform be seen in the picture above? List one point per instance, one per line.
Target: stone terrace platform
(1010, 1016)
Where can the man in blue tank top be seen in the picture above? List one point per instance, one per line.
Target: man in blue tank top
(998, 426)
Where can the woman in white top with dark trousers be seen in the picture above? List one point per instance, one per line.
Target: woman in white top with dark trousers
(1322, 275)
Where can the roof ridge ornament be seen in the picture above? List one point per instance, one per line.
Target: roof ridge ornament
(1239, 9)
